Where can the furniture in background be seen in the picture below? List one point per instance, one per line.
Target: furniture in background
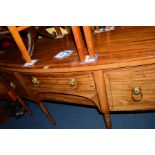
(7, 93)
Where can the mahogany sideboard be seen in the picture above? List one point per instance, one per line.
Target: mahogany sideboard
(122, 78)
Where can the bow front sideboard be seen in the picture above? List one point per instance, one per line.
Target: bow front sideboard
(121, 79)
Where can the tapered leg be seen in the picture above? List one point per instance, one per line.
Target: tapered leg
(24, 105)
(15, 97)
(108, 120)
(46, 112)
(101, 88)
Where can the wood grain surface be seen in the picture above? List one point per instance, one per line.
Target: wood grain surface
(119, 85)
(127, 46)
(126, 60)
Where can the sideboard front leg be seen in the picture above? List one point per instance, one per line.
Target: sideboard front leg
(107, 120)
(46, 112)
(101, 90)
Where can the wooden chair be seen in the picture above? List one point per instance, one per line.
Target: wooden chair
(81, 47)
(35, 31)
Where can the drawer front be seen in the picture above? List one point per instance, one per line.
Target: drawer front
(14, 84)
(132, 88)
(61, 82)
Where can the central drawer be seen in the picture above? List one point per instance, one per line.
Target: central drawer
(61, 82)
(131, 88)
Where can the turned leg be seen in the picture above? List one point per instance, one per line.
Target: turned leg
(107, 120)
(46, 112)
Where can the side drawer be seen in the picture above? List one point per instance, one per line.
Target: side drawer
(131, 88)
(60, 82)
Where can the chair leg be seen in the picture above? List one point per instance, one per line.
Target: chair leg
(13, 30)
(57, 28)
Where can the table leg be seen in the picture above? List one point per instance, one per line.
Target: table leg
(107, 120)
(46, 112)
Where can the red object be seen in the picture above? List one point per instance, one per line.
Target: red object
(6, 44)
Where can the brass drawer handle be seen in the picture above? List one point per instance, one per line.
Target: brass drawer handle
(12, 85)
(73, 83)
(35, 81)
(137, 93)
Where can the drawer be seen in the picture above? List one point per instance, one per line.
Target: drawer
(13, 83)
(131, 88)
(61, 82)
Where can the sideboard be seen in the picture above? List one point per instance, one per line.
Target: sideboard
(122, 78)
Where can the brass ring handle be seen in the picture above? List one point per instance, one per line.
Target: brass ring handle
(73, 83)
(35, 81)
(136, 93)
(12, 85)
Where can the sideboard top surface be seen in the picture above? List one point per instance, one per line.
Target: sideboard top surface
(125, 46)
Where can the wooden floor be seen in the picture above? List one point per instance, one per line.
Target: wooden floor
(125, 44)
